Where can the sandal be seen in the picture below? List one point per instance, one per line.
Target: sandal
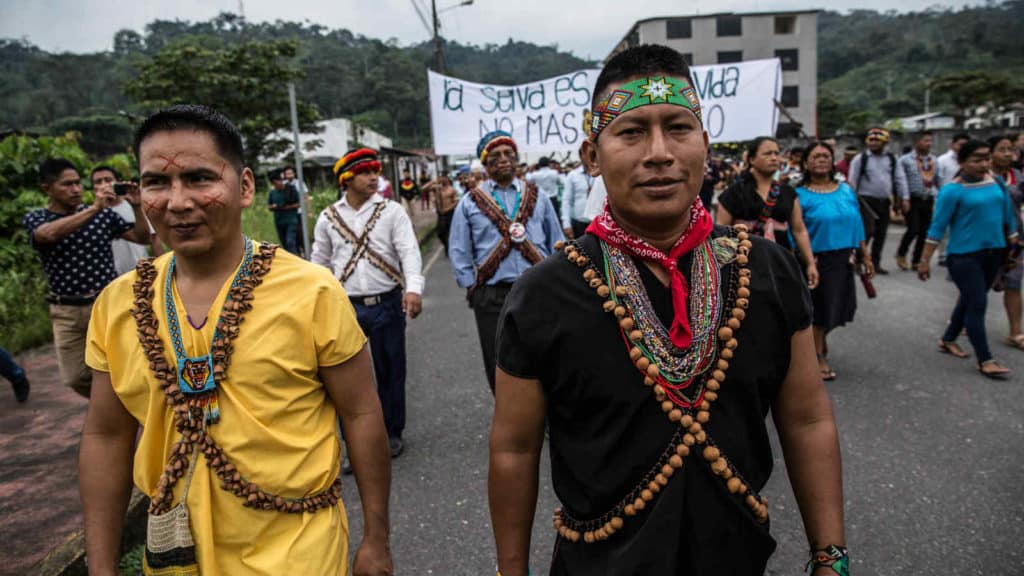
(827, 373)
(997, 371)
(1015, 341)
(952, 348)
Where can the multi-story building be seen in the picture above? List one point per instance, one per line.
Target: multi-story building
(728, 37)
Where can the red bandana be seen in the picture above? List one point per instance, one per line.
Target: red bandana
(606, 228)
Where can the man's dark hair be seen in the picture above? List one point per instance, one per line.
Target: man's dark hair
(544, 162)
(643, 60)
(799, 150)
(970, 147)
(104, 168)
(198, 118)
(275, 174)
(287, 168)
(960, 136)
(922, 134)
(994, 140)
(51, 169)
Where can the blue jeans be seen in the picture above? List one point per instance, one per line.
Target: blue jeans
(287, 232)
(384, 325)
(9, 369)
(973, 274)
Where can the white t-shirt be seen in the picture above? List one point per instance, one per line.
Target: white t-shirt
(595, 202)
(126, 252)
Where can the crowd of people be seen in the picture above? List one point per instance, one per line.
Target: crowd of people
(608, 297)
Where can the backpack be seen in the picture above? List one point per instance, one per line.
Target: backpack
(864, 171)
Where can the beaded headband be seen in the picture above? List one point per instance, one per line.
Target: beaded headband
(643, 92)
(361, 160)
(492, 140)
(880, 133)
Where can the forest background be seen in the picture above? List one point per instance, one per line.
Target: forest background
(872, 66)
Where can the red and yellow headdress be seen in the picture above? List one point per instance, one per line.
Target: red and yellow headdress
(355, 162)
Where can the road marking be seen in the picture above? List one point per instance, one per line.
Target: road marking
(433, 258)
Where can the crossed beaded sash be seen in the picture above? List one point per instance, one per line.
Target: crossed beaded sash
(690, 411)
(189, 418)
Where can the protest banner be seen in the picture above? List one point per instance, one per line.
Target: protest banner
(738, 103)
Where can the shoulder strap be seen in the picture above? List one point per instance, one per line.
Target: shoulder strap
(501, 221)
(361, 244)
(863, 156)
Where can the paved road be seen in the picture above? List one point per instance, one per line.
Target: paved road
(933, 453)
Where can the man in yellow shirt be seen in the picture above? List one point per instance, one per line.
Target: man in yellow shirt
(238, 418)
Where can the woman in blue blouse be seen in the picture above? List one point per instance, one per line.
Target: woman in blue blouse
(832, 216)
(979, 215)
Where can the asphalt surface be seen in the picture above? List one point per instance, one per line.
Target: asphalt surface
(933, 453)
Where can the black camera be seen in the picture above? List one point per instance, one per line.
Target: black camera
(122, 188)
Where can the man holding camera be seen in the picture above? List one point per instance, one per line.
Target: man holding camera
(126, 252)
(74, 245)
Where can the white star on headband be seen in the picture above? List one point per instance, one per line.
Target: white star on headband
(657, 89)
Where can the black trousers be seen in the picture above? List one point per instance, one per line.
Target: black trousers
(444, 228)
(487, 302)
(918, 221)
(877, 240)
(384, 326)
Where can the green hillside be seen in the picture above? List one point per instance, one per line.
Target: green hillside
(872, 66)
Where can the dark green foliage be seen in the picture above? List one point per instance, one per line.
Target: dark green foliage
(22, 284)
(873, 66)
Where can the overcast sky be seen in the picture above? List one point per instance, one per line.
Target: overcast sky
(588, 28)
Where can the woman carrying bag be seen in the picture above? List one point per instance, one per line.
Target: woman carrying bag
(978, 213)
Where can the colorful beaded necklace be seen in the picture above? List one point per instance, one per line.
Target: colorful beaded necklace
(690, 434)
(195, 373)
(190, 412)
(674, 369)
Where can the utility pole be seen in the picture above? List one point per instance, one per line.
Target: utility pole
(304, 221)
(438, 60)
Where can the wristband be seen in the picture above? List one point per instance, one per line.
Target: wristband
(835, 557)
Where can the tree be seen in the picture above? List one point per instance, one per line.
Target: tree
(248, 82)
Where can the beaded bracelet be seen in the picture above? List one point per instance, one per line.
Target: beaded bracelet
(835, 557)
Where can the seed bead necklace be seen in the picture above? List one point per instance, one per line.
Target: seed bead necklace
(690, 434)
(191, 411)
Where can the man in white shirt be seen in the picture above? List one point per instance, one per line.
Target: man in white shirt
(370, 245)
(574, 206)
(946, 165)
(126, 252)
(547, 180)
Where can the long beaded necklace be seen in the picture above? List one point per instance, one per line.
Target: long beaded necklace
(690, 434)
(673, 368)
(189, 413)
(195, 373)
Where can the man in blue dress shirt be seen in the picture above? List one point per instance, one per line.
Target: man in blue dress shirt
(499, 230)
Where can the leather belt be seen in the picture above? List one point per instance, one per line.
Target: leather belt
(375, 299)
(70, 299)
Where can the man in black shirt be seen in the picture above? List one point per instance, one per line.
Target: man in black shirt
(73, 241)
(653, 348)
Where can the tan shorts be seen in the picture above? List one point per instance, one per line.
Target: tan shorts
(70, 325)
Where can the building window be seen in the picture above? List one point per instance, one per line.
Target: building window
(730, 25)
(791, 96)
(785, 24)
(790, 59)
(730, 56)
(689, 58)
(678, 28)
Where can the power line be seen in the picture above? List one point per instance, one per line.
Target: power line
(423, 17)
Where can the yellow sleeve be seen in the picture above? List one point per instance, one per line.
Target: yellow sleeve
(96, 338)
(336, 332)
